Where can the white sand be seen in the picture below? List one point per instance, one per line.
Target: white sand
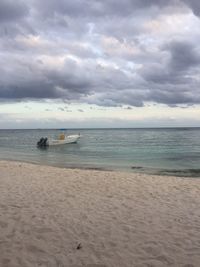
(120, 219)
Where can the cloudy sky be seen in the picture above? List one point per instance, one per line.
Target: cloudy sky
(92, 63)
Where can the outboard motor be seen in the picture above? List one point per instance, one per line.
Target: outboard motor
(42, 142)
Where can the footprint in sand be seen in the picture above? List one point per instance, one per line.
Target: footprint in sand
(3, 224)
(43, 230)
(34, 249)
(89, 265)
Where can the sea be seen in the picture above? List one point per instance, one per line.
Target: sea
(165, 151)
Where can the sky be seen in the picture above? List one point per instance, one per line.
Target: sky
(90, 64)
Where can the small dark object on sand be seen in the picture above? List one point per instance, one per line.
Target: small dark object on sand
(79, 246)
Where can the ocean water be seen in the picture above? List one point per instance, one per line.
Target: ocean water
(167, 151)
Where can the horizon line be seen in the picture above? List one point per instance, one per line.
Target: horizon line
(103, 128)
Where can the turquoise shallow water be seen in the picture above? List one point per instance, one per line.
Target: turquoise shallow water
(173, 151)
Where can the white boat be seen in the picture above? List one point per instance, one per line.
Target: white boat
(69, 139)
(62, 140)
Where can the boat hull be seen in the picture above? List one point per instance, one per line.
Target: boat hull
(70, 139)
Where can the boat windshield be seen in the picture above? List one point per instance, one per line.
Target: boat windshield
(61, 136)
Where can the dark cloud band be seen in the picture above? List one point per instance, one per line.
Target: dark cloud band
(99, 52)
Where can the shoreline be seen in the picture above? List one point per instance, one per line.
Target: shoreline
(119, 218)
(62, 167)
(182, 173)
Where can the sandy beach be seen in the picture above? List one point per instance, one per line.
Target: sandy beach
(68, 217)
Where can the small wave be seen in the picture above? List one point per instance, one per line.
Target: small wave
(168, 172)
(137, 167)
(181, 173)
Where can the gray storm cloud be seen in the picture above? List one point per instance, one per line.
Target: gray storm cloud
(11, 11)
(107, 53)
